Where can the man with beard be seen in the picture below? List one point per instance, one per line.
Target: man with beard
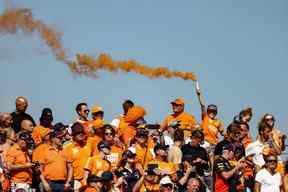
(78, 151)
(46, 120)
(20, 114)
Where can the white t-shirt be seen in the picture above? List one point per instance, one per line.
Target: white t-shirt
(269, 183)
(256, 149)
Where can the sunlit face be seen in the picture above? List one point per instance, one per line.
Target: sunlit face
(22, 144)
(193, 185)
(162, 153)
(141, 139)
(98, 115)
(243, 131)
(212, 114)
(27, 125)
(246, 118)
(84, 111)
(270, 120)
(271, 162)
(177, 108)
(108, 135)
(266, 133)
(7, 120)
(21, 105)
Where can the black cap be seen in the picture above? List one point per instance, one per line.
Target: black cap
(212, 107)
(129, 154)
(160, 147)
(142, 132)
(103, 144)
(228, 147)
(60, 126)
(94, 179)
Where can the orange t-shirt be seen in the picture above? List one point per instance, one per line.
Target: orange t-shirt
(126, 132)
(143, 155)
(38, 133)
(166, 166)
(97, 165)
(187, 121)
(149, 187)
(54, 163)
(115, 156)
(79, 156)
(38, 152)
(211, 129)
(16, 156)
(91, 189)
(86, 125)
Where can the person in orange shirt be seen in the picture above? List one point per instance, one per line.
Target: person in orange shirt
(161, 160)
(117, 147)
(56, 167)
(186, 121)
(134, 118)
(141, 148)
(148, 181)
(97, 117)
(79, 151)
(98, 164)
(19, 163)
(212, 127)
(46, 120)
(126, 105)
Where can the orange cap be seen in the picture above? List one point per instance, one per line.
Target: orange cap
(178, 101)
(96, 109)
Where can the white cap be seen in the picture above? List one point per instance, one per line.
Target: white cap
(166, 180)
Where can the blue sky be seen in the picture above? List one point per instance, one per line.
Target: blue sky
(238, 49)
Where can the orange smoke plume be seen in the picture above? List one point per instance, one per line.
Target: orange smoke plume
(14, 19)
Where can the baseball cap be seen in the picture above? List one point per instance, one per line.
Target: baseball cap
(178, 101)
(129, 154)
(165, 180)
(96, 109)
(160, 147)
(103, 144)
(212, 107)
(60, 126)
(228, 147)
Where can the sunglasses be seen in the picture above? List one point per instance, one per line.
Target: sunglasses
(170, 186)
(86, 111)
(108, 133)
(269, 119)
(272, 161)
